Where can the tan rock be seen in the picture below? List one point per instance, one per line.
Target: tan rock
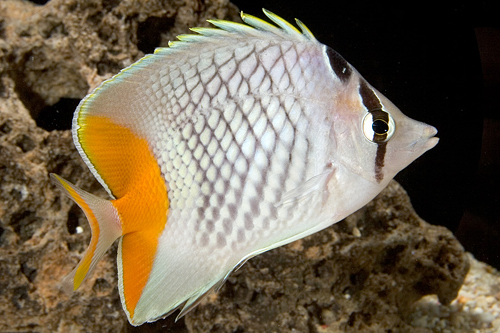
(61, 50)
(361, 275)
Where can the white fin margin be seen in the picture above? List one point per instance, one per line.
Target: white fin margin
(193, 302)
(82, 110)
(188, 305)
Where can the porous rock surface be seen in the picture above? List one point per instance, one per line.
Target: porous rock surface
(47, 53)
(361, 275)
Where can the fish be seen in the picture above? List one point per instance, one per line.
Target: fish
(230, 142)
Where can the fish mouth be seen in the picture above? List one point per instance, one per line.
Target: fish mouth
(431, 143)
(427, 140)
(430, 137)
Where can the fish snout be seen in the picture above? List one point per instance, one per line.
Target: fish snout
(424, 139)
(430, 137)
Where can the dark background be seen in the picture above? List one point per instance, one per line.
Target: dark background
(439, 63)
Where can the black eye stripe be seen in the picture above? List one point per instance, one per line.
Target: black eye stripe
(370, 100)
(380, 114)
(372, 103)
(340, 67)
(379, 161)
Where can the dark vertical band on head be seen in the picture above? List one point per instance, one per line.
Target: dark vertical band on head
(372, 103)
(340, 67)
(379, 161)
(370, 100)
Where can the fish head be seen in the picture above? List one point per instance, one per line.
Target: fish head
(373, 138)
(411, 138)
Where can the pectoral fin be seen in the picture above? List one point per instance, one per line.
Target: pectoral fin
(310, 186)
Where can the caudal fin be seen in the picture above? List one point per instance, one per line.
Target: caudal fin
(105, 226)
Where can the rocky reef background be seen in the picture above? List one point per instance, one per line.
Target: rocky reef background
(365, 274)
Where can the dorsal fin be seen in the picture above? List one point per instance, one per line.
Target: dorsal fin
(285, 25)
(258, 23)
(253, 26)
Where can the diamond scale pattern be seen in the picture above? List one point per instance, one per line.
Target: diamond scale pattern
(230, 139)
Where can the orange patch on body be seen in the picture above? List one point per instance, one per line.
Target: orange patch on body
(127, 165)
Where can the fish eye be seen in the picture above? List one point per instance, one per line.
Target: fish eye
(378, 126)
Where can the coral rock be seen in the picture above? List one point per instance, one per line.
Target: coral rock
(360, 275)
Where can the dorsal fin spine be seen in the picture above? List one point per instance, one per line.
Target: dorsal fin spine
(283, 24)
(259, 24)
(305, 30)
(253, 26)
(232, 26)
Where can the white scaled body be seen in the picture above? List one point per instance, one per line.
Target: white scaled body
(261, 135)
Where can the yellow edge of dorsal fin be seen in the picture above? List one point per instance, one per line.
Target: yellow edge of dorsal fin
(305, 30)
(259, 23)
(282, 23)
(232, 26)
(253, 26)
(209, 32)
(104, 224)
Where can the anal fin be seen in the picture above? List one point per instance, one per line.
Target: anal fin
(136, 255)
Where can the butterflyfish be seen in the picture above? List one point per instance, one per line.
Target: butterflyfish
(226, 144)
